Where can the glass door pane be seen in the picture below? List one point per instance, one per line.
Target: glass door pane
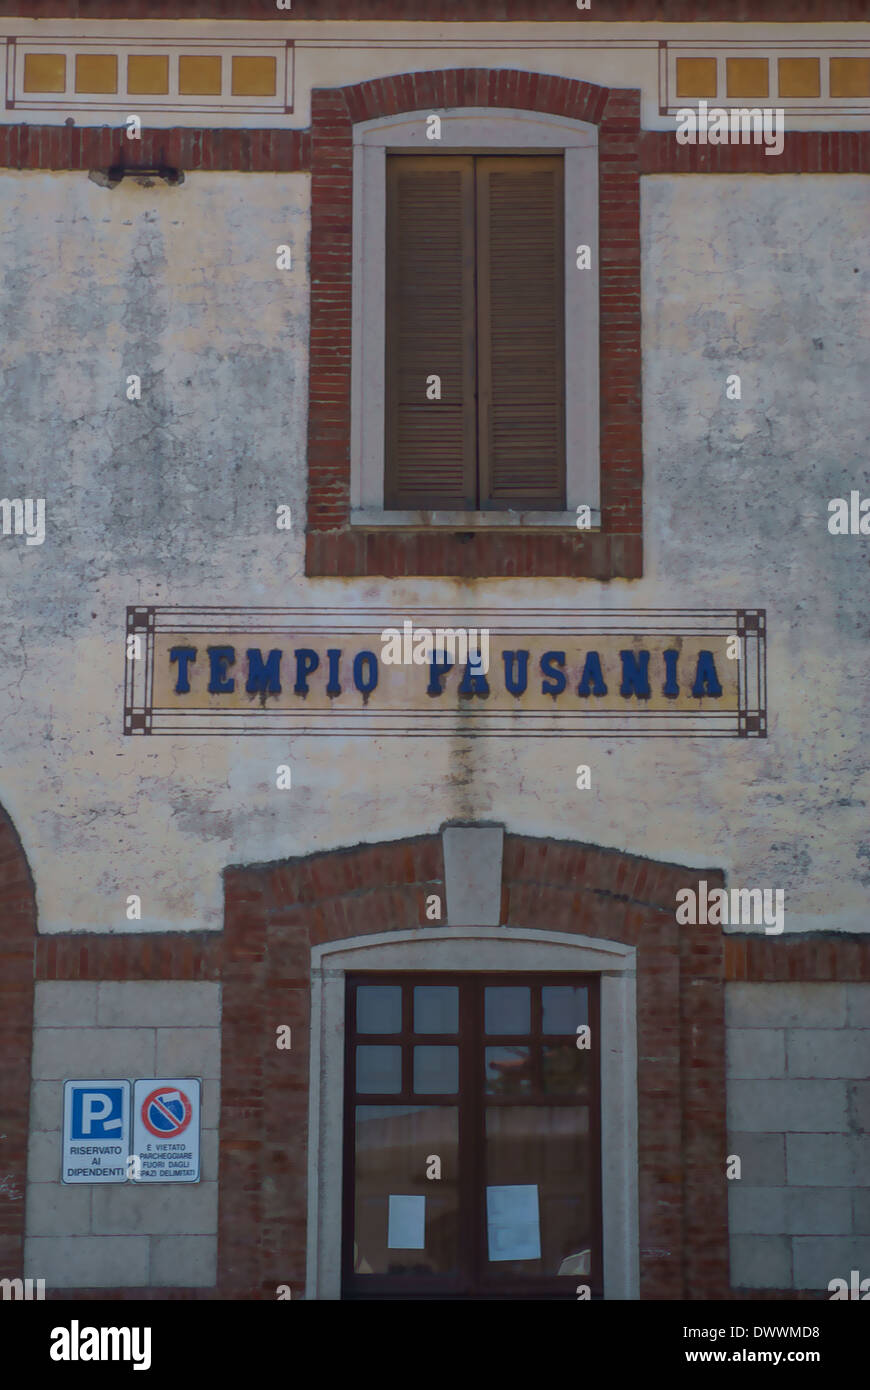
(539, 1210)
(472, 1136)
(406, 1223)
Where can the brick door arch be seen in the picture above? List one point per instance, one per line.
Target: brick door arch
(275, 913)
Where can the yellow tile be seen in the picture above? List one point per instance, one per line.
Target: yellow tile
(147, 74)
(850, 77)
(44, 72)
(696, 77)
(748, 77)
(96, 72)
(254, 77)
(799, 77)
(199, 76)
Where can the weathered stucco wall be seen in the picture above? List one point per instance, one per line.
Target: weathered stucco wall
(172, 500)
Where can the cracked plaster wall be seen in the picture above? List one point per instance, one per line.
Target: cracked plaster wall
(171, 500)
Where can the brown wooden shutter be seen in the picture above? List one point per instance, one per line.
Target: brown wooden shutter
(430, 444)
(520, 350)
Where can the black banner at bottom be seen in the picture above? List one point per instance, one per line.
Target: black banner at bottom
(171, 1340)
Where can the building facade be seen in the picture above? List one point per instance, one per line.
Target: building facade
(538, 968)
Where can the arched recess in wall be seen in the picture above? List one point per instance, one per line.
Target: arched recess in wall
(17, 942)
(278, 915)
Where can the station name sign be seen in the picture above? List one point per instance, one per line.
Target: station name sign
(606, 673)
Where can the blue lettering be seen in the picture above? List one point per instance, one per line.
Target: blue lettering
(671, 688)
(307, 661)
(334, 655)
(220, 658)
(557, 678)
(473, 685)
(592, 672)
(706, 675)
(516, 680)
(635, 675)
(365, 687)
(437, 669)
(184, 656)
(263, 676)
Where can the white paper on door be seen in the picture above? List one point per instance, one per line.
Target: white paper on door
(512, 1224)
(406, 1229)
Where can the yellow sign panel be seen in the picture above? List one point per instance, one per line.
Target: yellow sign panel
(316, 671)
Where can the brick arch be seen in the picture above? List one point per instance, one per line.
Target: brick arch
(332, 546)
(509, 87)
(275, 913)
(17, 947)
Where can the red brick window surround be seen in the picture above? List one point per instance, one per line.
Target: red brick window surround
(336, 547)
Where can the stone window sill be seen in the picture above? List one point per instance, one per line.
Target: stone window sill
(370, 518)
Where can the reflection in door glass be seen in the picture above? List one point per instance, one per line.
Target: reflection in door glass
(508, 1071)
(379, 1070)
(564, 1008)
(567, 1069)
(546, 1148)
(393, 1143)
(507, 1009)
(379, 1009)
(436, 1071)
(436, 1009)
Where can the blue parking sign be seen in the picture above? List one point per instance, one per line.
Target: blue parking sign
(96, 1131)
(97, 1114)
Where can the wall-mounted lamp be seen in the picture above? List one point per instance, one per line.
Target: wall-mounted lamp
(161, 170)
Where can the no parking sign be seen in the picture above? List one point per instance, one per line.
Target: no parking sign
(166, 1130)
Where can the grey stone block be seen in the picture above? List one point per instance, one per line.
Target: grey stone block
(819, 1259)
(756, 1210)
(785, 1005)
(799, 1106)
(88, 1262)
(184, 1261)
(827, 1160)
(859, 1108)
(755, 1052)
(762, 1158)
(472, 874)
(211, 1104)
(158, 1209)
(46, 1105)
(43, 1156)
(861, 1212)
(858, 1006)
(62, 1003)
(158, 1004)
(760, 1262)
(92, 1052)
(818, 1211)
(208, 1155)
(55, 1210)
(835, 1052)
(189, 1052)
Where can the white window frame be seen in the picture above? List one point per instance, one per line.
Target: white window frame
(482, 130)
(483, 950)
